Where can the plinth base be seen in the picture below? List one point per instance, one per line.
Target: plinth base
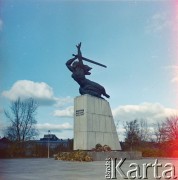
(93, 124)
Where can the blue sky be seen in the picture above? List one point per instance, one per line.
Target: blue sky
(133, 38)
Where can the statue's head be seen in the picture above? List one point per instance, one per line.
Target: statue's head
(75, 64)
(86, 68)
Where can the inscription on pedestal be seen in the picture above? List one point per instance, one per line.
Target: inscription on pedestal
(79, 112)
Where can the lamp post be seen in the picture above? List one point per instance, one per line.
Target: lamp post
(48, 141)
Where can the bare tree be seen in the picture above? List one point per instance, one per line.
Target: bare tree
(22, 120)
(132, 134)
(171, 128)
(160, 132)
(145, 134)
(167, 130)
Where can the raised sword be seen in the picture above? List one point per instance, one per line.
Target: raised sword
(91, 61)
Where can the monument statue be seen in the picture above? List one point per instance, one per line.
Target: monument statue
(80, 70)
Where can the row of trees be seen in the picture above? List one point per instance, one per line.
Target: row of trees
(21, 116)
(161, 140)
(138, 136)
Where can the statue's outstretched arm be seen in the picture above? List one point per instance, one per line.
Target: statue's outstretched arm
(79, 55)
(78, 48)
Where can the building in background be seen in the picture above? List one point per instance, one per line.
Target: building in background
(35, 148)
(53, 141)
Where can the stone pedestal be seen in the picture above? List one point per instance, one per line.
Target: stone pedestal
(93, 124)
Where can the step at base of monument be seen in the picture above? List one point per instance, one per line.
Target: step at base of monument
(102, 156)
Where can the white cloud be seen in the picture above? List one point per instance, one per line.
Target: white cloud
(172, 67)
(174, 71)
(174, 80)
(2, 127)
(40, 91)
(68, 112)
(54, 127)
(64, 101)
(152, 112)
(1, 24)
(27, 89)
(159, 22)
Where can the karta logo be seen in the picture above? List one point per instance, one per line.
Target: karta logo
(114, 170)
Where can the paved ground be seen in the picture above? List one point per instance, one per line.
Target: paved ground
(50, 169)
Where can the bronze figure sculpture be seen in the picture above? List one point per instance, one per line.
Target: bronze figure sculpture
(79, 70)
